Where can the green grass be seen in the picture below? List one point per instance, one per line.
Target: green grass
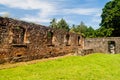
(90, 67)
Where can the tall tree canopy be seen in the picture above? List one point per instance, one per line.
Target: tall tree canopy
(82, 29)
(53, 23)
(111, 17)
(62, 24)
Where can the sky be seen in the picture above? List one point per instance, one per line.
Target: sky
(43, 11)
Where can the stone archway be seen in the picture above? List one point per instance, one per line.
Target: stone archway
(66, 41)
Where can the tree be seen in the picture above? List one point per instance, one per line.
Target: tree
(90, 32)
(111, 17)
(82, 28)
(79, 29)
(103, 32)
(53, 23)
(73, 29)
(62, 24)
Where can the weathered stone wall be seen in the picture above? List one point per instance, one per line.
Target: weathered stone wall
(22, 41)
(103, 45)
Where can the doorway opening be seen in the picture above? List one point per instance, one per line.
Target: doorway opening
(111, 47)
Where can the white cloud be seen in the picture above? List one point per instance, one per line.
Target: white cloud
(48, 10)
(82, 11)
(42, 18)
(35, 19)
(96, 19)
(2, 13)
(45, 8)
(5, 14)
(26, 4)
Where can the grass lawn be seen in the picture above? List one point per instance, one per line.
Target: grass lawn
(90, 67)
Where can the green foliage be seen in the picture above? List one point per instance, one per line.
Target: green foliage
(53, 23)
(103, 32)
(49, 34)
(73, 29)
(110, 24)
(111, 17)
(90, 67)
(90, 32)
(80, 29)
(83, 30)
(62, 24)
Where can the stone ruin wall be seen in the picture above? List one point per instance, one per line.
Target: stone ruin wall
(22, 41)
(103, 45)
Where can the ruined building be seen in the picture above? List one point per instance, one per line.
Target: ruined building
(22, 41)
(103, 45)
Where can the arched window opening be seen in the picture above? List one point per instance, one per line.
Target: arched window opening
(18, 35)
(67, 40)
(78, 40)
(111, 47)
(50, 37)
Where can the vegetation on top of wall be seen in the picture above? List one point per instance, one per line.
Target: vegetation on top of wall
(82, 29)
(62, 24)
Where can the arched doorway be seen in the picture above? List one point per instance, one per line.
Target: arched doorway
(50, 37)
(67, 37)
(78, 40)
(111, 47)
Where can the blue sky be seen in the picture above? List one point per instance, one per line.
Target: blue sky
(42, 11)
